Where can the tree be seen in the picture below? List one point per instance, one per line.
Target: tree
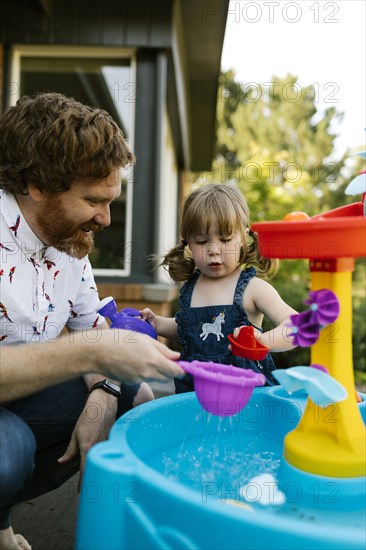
(273, 142)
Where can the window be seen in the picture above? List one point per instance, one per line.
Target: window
(99, 77)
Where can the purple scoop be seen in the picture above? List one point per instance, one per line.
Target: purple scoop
(127, 319)
(222, 390)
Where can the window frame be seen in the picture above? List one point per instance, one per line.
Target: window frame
(19, 51)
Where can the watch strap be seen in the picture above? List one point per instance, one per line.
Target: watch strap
(108, 387)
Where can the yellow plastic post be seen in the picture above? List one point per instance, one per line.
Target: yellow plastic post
(332, 441)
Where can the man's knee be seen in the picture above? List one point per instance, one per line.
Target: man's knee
(143, 395)
(17, 450)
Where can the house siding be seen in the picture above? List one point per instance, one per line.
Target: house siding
(125, 23)
(147, 27)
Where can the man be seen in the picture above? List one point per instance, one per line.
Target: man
(60, 169)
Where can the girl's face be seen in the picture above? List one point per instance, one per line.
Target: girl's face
(216, 255)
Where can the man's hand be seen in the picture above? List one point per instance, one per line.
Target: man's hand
(93, 426)
(133, 357)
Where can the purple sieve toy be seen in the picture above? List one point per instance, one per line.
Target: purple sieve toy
(222, 390)
(127, 319)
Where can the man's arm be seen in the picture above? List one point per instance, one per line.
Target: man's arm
(27, 368)
(92, 378)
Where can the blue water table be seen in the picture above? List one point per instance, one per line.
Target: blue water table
(173, 476)
(210, 470)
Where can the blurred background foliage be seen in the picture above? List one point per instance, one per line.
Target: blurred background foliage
(280, 151)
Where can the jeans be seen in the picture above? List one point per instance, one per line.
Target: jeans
(34, 432)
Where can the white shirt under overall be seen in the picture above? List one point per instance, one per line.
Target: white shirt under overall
(41, 289)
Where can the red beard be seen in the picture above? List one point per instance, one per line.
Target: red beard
(63, 234)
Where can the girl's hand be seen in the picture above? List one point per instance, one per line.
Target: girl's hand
(164, 326)
(257, 333)
(149, 315)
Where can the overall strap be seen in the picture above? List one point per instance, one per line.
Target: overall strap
(186, 291)
(245, 276)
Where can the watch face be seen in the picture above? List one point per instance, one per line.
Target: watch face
(113, 387)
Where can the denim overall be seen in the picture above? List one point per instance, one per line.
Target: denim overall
(203, 331)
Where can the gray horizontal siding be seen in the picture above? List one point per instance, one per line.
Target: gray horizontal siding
(128, 23)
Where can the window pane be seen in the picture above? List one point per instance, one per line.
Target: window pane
(99, 82)
(110, 243)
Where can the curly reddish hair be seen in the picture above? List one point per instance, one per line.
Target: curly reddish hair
(51, 140)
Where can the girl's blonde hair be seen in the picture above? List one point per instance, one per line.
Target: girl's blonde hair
(228, 208)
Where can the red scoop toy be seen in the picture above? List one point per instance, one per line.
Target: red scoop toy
(247, 345)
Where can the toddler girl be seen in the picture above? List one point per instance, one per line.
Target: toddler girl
(218, 260)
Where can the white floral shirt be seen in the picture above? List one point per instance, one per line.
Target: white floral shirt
(41, 289)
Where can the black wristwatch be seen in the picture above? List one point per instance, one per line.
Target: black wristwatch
(107, 386)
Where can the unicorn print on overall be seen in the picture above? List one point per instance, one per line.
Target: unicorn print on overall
(213, 328)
